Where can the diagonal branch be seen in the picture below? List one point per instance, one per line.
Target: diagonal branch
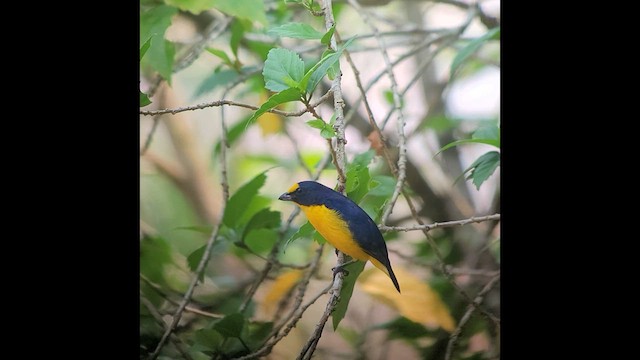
(187, 296)
(465, 318)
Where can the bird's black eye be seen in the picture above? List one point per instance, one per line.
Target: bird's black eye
(297, 190)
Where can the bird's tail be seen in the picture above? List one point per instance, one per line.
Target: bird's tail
(387, 270)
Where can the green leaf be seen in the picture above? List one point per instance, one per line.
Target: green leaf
(483, 167)
(285, 96)
(233, 134)
(153, 24)
(358, 176)
(261, 240)
(488, 132)
(403, 328)
(317, 123)
(326, 38)
(145, 47)
(252, 10)
(237, 204)
(217, 79)
(493, 142)
(193, 6)
(203, 229)
(382, 185)
(144, 99)
(347, 290)
(319, 70)
(222, 55)
(264, 218)
(193, 260)
(295, 30)
(231, 325)
(258, 333)
(472, 47)
(155, 254)
(305, 231)
(237, 33)
(207, 339)
(326, 130)
(283, 69)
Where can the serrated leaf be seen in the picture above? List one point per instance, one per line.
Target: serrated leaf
(418, 302)
(231, 325)
(252, 10)
(285, 96)
(221, 54)
(145, 47)
(319, 70)
(144, 99)
(326, 38)
(283, 69)
(346, 291)
(483, 167)
(264, 218)
(153, 24)
(280, 288)
(295, 30)
(471, 48)
(237, 204)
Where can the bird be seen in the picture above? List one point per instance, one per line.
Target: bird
(343, 223)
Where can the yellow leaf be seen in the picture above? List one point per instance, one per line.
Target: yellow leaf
(280, 288)
(418, 302)
(269, 123)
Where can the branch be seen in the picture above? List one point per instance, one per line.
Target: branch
(429, 227)
(156, 315)
(187, 308)
(397, 106)
(147, 143)
(465, 318)
(188, 294)
(234, 103)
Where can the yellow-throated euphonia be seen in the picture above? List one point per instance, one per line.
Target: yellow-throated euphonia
(342, 223)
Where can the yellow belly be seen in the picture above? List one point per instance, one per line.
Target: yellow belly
(335, 230)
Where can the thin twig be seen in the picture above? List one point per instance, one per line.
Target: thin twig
(147, 142)
(429, 227)
(467, 315)
(216, 103)
(397, 106)
(187, 308)
(188, 294)
(176, 341)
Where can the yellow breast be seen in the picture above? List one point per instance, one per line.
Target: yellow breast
(335, 230)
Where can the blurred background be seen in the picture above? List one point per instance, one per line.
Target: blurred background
(446, 62)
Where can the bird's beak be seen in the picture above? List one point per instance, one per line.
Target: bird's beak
(285, 197)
